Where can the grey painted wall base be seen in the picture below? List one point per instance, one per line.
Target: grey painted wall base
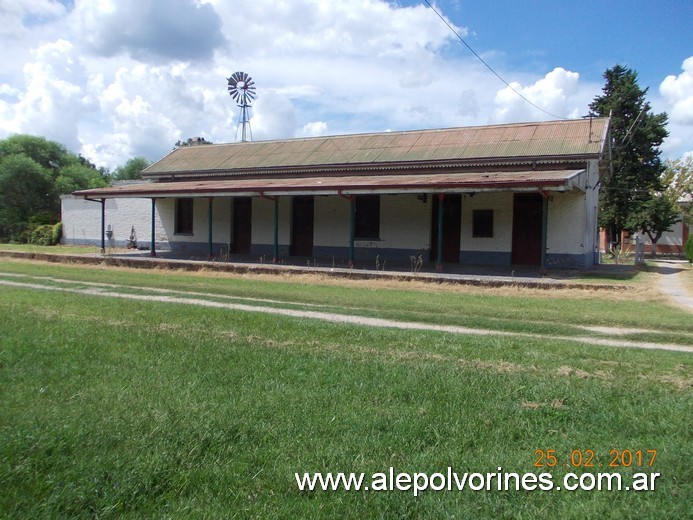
(199, 248)
(360, 253)
(340, 255)
(564, 261)
(163, 246)
(486, 257)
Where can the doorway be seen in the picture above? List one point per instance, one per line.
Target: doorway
(302, 215)
(242, 225)
(528, 218)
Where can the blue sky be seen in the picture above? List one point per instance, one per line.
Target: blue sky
(118, 78)
(588, 36)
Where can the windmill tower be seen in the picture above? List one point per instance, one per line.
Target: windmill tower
(242, 90)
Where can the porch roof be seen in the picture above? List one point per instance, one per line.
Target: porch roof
(478, 181)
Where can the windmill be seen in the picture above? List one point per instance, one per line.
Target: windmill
(242, 90)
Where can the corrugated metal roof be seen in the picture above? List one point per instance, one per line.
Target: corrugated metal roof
(557, 180)
(573, 139)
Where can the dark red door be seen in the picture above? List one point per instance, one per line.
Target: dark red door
(242, 225)
(452, 225)
(528, 216)
(302, 226)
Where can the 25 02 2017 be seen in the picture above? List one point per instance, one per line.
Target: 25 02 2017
(587, 458)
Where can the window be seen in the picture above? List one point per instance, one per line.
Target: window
(367, 216)
(184, 217)
(482, 223)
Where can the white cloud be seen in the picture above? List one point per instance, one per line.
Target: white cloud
(117, 78)
(367, 28)
(7, 90)
(53, 99)
(678, 93)
(468, 104)
(14, 16)
(150, 108)
(677, 101)
(273, 117)
(557, 93)
(313, 129)
(150, 31)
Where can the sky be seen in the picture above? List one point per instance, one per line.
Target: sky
(115, 79)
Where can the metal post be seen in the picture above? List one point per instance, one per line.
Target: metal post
(103, 226)
(153, 245)
(275, 259)
(209, 227)
(352, 228)
(439, 263)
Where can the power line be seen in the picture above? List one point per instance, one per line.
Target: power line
(489, 66)
(627, 138)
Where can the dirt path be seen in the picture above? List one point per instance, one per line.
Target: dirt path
(674, 282)
(211, 300)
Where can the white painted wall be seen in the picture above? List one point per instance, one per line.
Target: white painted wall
(221, 212)
(566, 226)
(405, 222)
(82, 220)
(221, 220)
(502, 206)
(263, 221)
(332, 221)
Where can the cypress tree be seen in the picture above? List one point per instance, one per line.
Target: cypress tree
(636, 136)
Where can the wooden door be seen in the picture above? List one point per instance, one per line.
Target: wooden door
(302, 226)
(452, 226)
(242, 225)
(528, 217)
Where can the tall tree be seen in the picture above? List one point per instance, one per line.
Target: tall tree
(636, 136)
(191, 141)
(34, 172)
(655, 217)
(131, 169)
(678, 176)
(26, 191)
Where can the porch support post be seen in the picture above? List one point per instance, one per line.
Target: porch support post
(209, 227)
(275, 257)
(152, 249)
(544, 226)
(352, 228)
(439, 262)
(103, 226)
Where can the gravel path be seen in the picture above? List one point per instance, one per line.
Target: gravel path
(107, 290)
(672, 283)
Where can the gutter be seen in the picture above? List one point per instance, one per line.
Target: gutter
(365, 168)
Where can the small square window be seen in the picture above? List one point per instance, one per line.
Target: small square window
(482, 223)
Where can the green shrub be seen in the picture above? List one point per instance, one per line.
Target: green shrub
(41, 235)
(57, 234)
(689, 249)
(46, 234)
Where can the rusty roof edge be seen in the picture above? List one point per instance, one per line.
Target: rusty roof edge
(207, 188)
(370, 167)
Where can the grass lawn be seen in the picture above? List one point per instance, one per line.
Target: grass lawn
(116, 407)
(55, 250)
